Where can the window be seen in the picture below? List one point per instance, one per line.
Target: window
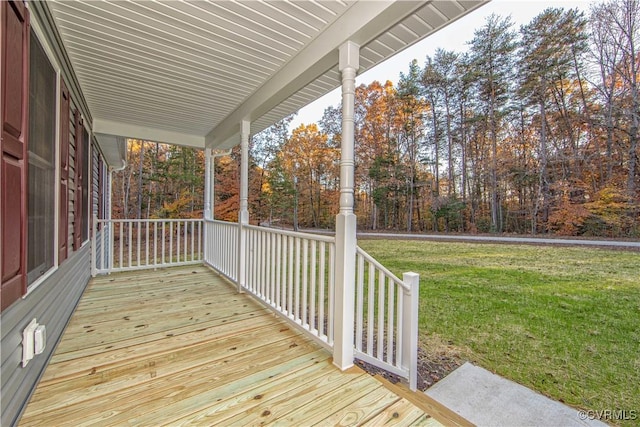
(41, 169)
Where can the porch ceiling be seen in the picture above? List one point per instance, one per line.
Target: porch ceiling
(187, 72)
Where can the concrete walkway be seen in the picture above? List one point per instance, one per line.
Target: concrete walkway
(486, 399)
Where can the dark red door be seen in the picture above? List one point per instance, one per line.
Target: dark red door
(15, 124)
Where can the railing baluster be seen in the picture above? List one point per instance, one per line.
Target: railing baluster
(170, 241)
(163, 240)
(271, 266)
(178, 238)
(130, 232)
(105, 227)
(155, 243)
(381, 310)
(193, 236)
(268, 263)
(305, 280)
(200, 226)
(185, 230)
(186, 241)
(332, 263)
(121, 243)
(290, 310)
(255, 236)
(138, 241)
(321, 290)
(146, 241)
(312, 297)
(278, 270)
(371, 308)
(390, 318)
(359, 300)
(297, 280)
(263, 265)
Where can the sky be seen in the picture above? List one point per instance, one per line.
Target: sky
(453, 37)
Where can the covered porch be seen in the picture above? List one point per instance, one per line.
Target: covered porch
(180, 346)
(208, 75)
(212, 74)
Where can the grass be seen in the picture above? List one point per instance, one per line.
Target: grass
(563, 321)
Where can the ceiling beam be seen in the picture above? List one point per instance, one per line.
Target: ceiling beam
(127, 130)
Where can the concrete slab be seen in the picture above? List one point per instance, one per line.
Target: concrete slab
(486, 399)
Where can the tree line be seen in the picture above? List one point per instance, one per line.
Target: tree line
(531, 130)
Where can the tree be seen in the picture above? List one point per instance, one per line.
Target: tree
(616, 38)
(411, 109)
(263, 150)
(307, 157)
(546, 66)
(492, 57)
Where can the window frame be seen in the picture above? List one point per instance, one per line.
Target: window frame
(38, 33)
(52, 163)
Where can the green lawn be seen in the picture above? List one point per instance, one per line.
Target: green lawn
(563, 321)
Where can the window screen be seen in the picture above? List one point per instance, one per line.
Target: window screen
(42, 128)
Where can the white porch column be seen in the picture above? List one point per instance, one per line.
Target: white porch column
(243, 216)
(207, 184)
(346, 219)
(207, 198)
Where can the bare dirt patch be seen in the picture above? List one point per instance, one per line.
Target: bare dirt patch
(436, 360)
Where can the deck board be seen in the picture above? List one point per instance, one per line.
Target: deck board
(180, 346)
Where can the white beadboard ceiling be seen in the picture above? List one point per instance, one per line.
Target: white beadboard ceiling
(187, 72)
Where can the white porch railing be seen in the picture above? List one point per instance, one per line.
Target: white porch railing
(294, 274)
(221, 247)
(291, 272)
(135, 244)
(386, 318)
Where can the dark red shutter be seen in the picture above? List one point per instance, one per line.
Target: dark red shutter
(14, 18)
(63, 224)
(77, 203)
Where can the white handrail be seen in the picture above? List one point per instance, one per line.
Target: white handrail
(316, 237)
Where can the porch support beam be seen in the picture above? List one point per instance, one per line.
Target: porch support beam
(243, 216)
(207, 196)
(346, 220)
(207, 183)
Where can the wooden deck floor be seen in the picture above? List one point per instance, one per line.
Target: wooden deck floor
(181, 347)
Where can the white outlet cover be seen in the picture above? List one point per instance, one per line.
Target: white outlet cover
(28, 342)
(39, 339)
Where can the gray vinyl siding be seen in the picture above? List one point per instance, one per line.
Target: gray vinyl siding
(102, 236)
(53, 301)
(52, 304)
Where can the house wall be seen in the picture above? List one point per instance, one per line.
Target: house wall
(52, 304)
(51, 300)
